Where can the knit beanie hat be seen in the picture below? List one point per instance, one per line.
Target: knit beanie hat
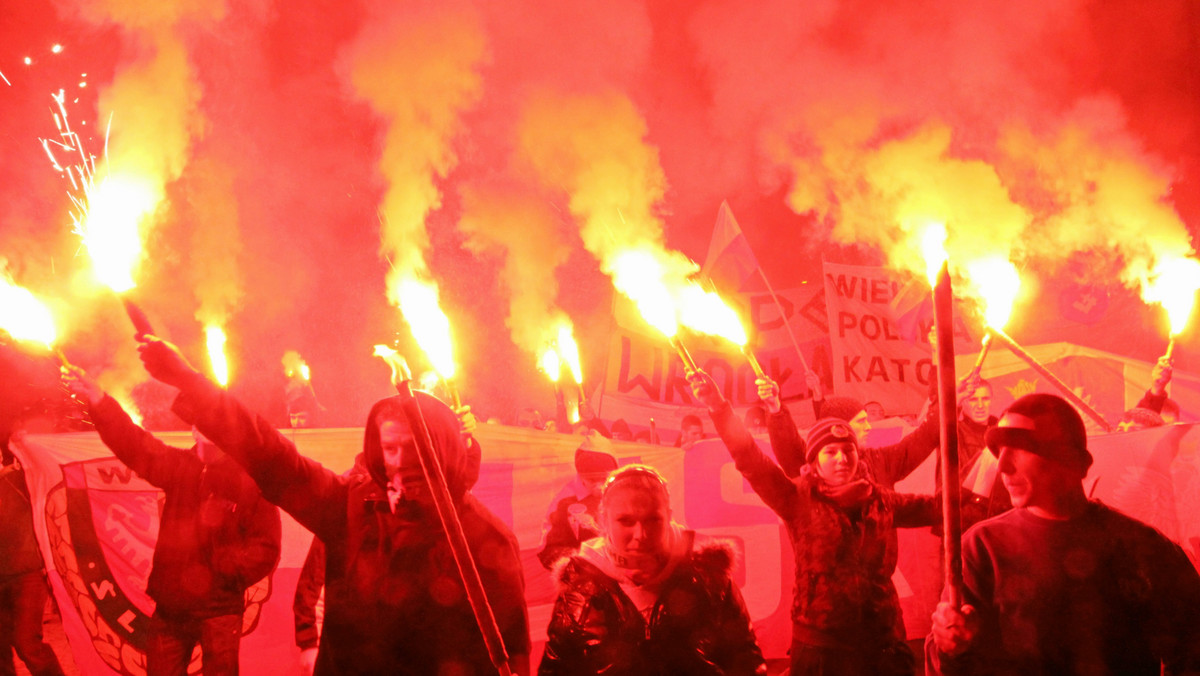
(593, 462)
(843, 408)
(1044, 424)
(828, 431)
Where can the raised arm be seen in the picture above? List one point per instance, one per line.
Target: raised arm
(156, 462)
(312, 494)
(766, 478)
(786, 442)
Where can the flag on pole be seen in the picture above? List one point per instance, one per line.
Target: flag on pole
(730, 261)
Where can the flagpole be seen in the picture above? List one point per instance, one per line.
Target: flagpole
(783, 316)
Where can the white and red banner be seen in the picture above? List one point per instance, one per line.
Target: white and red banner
(97, 522)
(645, 378)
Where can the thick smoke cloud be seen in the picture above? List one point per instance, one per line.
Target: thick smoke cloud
(508, 150)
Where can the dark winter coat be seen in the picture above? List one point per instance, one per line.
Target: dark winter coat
(394, 602)
(217, 535)
(844, 596)
(698, 625)
(19, 553)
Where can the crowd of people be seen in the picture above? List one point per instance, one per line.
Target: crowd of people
(1053, 582)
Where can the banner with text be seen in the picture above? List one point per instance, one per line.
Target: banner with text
(873, 358)
(646, 380)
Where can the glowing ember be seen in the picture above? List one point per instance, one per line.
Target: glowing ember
(933, 250)
(550, 364)
(997, 283)
(568, 350)
(305, 373)
(639, 275)
(418, 301)
(23, 316)
(706, 312)
(215, 339)
(1173, 285)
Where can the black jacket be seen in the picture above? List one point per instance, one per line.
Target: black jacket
(217, 536)
(394, 603)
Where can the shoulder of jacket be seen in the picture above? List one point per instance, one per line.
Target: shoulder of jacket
(714, 558)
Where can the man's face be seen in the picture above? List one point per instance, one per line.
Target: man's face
(861, 424)
(836, 462)
(298, 419)
(400, 459)
(635, 521)
(1033, 481)
(874, 411)
(978, 406)
(691, 434)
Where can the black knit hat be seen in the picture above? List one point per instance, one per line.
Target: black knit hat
(593, 462)
(1044, 424)
(844, 408)
(828, 431)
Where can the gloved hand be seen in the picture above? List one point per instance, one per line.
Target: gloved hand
(768, 391)
(81, 385)
(705, 389)
(164, 362)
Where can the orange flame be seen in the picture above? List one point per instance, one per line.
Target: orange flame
(550, 364)
(706, 312)
(642, 277)
(996, 281)
(110, 228)
(214, 337)
(1173, 285)
(394, 361)
(23, 316)
(568, 351)
(933, 249)
(418, 302)
(295, 366)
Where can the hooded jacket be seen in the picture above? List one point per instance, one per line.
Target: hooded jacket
(394, 602)
(217, 535)
(697, 625)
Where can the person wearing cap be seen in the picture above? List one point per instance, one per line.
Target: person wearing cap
(1062, 584)
(646, 597)
(846, 615)
(572, 516)
(887, 464)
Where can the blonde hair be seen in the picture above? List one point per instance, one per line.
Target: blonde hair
(642, 477)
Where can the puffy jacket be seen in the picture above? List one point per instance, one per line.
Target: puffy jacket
(698, 625)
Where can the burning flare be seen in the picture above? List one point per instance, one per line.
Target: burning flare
(399, 366)
(23, 316)
(933, 250)
(1173, 285)
(418, 302)
(215, 339)
(550, 364)
(568, 351)
(706, 312)
(996, 282)
(294, 366)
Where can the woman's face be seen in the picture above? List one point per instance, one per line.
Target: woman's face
(837, 462)
(635, 519)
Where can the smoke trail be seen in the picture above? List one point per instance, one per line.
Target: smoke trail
(521, 227)
(418, 69)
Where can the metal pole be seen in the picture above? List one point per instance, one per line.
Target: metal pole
(435, 478)
(943, 313)
(1067, 392)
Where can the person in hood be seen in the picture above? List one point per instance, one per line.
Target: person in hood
(394, 601)
(846, 618)
(644, 599)
(217, 537)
